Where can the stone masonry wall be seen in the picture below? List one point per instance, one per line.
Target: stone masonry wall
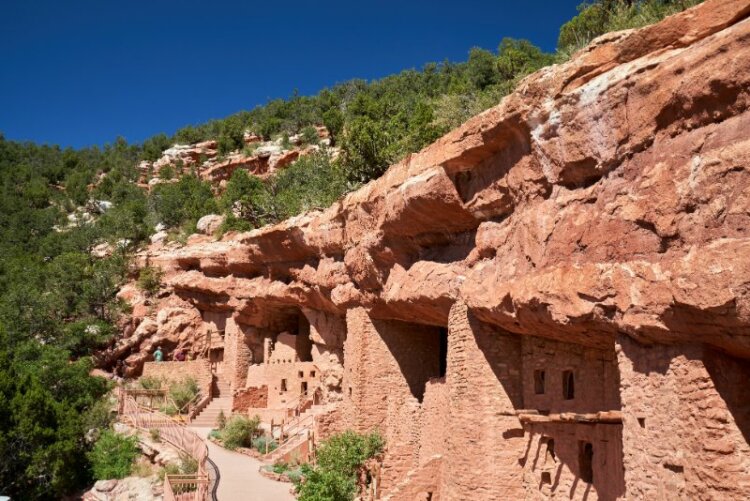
(486, 441)
(247, 398)
(237, 353)
(552, 464)
(387, 366)
(594, 371)
(686, 422)
(200, 370)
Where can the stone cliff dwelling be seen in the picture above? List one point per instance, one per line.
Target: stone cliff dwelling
(550, 302)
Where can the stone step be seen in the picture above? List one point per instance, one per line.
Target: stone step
(214, 412)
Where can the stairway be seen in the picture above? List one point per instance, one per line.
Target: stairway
(297, 432)
(222, 401)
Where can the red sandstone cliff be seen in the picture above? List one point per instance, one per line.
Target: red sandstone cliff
(598, 219)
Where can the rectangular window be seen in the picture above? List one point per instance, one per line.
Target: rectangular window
(539, 382)
(283, 385)
(301, 374)
(312, 373)
(568, 385)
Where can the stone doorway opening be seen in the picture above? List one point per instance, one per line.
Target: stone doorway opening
(420, 350)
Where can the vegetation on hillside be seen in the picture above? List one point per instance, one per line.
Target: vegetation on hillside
(339, 460)
(57, 301)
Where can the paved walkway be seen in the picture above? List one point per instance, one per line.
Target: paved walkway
(240, 478)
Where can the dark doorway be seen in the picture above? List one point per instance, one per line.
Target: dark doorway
(586, 461)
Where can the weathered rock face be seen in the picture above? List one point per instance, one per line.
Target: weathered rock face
(552, 300)
(266, 158)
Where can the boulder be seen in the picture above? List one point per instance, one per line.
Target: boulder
(159, 237)
(209, 224)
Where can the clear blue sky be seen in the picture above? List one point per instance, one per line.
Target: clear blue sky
(83, 72)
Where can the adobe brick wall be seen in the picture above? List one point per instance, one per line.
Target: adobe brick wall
(433, 419)
(200, 370)
(271, 376)
(387, 366)
(485, 440)
(250, 397)
(597, 385)
(555, 471)
(696, 422)
(327, 424)
(238, 354)
(422, 484)
(552, 468)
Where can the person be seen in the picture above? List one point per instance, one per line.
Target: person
(180, 356)
(158, 354)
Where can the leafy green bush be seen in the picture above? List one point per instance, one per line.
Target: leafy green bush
(221, 420)
(155, 434)
(113, 455)
(154, 146)
(150, 383)
(346, 452)
(239, 431)
(338, 461)
(243, 195)
(295, 476)
(310, 135)
(149, 279)
(188, 464)
(325, 485)
(183, 392)
(279, 467)
(187, 200)
(170, 469)
(260, 443)
(312, 182)
(166, 172)
(285, 143)
(169, 408)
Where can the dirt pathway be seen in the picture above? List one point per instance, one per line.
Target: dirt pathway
(240, 478)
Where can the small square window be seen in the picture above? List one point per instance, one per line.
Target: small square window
(312, 373)
(301, 374)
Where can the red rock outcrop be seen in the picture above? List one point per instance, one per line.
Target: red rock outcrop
(266, 158)
(553, 300)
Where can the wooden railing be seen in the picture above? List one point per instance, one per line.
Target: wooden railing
(192, 487)
(190, 409)
(299, 431)
(184, 487)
